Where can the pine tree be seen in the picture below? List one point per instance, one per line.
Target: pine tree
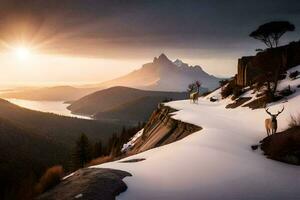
(113, 145)
(98, 149)
(82, 154)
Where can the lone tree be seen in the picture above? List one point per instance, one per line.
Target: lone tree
(82, 153)
(271, 32)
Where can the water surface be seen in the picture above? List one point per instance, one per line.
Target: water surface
(56, 107)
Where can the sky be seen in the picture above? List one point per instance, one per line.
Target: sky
(90, 41)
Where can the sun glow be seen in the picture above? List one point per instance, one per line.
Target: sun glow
(22, 53)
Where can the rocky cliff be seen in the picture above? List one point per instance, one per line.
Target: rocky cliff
(249, 67)
(162, 129)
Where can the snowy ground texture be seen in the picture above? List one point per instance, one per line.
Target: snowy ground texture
(216, 162)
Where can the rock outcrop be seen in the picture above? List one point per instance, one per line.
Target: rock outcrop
(250, 66)
(89, 184)
(162, 129)
(283, 146)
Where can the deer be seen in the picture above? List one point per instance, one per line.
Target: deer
(271, 123)
(195, 95)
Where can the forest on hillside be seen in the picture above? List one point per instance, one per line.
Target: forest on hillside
(31, 142)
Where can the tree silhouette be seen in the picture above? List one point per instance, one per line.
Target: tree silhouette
(82, 154)
(271, 32)
(98, 150)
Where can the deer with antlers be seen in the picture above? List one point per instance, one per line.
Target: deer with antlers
(271, 123)
(195, 95)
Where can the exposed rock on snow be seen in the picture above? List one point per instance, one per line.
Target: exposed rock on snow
(89, 184)
(133, 160)
(238, 102)
(284, 146)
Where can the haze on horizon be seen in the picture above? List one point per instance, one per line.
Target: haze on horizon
(89, 41)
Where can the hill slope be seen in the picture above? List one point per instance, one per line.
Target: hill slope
(138, 110)
(32, 141)
(165, 75)
(24, 155)
(64, 130)
(121, 101)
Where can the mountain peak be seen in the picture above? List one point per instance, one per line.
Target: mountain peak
(179, 63)
(161, 59)
(161, 73)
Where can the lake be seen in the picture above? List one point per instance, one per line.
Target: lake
(56, 107)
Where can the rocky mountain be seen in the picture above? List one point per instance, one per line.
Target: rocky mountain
(164, 75)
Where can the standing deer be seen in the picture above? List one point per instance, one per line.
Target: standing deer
(271, 123)
(195, 95)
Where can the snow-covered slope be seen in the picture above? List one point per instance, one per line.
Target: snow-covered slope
(164, 75)
(216, 162)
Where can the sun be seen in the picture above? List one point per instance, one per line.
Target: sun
(22, 53)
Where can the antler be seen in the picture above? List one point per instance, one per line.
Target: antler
(267, 110)
(280, 111)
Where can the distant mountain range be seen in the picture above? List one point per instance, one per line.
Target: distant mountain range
(160, 75)
(164, 75)
(122, 103)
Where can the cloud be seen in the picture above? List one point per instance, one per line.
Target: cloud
(115, 28)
